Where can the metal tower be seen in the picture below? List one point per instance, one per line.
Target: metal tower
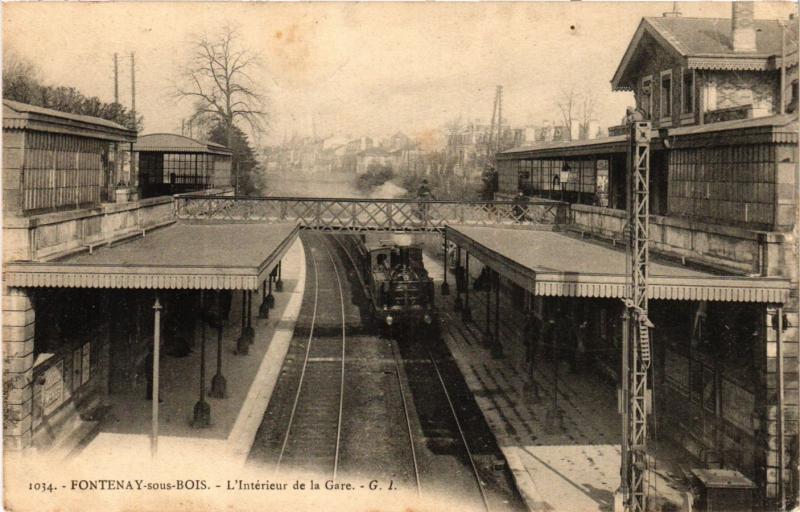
(636, 325)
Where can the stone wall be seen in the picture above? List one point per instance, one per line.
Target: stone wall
(18, 329)
(722, 247)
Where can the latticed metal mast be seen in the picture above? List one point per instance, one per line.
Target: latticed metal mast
(636, 333)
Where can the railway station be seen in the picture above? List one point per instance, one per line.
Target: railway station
(616, 328)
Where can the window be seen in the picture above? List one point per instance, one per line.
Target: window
(688, 91)
(666, 94)
(792, 106)
(646, 102)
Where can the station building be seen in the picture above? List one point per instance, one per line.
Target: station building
(723, 238)
(173, 164)
(84, 268)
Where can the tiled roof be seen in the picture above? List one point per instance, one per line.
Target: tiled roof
(174, 143)
(705, 43)
(712, 36)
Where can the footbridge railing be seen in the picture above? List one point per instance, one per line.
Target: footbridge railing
(352, 214)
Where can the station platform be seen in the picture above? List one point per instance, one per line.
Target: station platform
(125, 431)
(574, 467)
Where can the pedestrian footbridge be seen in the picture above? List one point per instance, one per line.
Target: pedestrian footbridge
(356, 215)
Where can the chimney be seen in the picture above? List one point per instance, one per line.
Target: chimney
(743, 31)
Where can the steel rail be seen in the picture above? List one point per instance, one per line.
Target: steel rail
(408, 418)
(461, 432)
(305, 364)
(344, 346)
(396, 357)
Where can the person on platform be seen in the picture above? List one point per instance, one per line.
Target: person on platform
(520, 208)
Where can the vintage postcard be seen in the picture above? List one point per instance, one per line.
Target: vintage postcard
(384, 256)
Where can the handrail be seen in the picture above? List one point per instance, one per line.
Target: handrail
(530, 201)
(364, 214)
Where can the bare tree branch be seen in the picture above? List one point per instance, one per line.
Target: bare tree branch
(217, 79)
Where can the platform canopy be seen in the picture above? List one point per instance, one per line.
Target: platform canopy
(181, 256)
(549, 263)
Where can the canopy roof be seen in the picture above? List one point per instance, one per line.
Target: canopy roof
(22, 116)
(588, 147)
(173, 143)
(182, 256)
(555, 264)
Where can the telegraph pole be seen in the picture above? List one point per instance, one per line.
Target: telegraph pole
(116, 79)
(133, 89)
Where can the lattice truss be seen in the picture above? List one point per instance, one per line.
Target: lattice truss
(367, 215)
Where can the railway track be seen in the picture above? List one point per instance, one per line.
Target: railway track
(310, 425)
(356, 406)
(461, 434)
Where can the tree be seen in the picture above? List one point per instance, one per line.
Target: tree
(249, 176)
(21, 78)
(217, 78)
(22, 82)
(567, 104)
(577, 106)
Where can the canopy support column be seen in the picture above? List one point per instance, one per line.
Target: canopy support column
(457, 304)
(279, 282)
(156, 355)
(202, 411)
(263, 309)
(445, 286)
(270, 299)
(487, 332)
(218, 381)
(249, 332)
(497, 348)
(243, 344)
(554, 420)
(466, 313)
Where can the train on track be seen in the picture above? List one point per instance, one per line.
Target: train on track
(397, 284)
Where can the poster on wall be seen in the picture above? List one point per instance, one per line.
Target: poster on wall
(602, 183)
(53, 393)
(676, 370)
(738, 405)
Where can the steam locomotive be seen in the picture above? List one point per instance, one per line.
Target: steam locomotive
(399, 288)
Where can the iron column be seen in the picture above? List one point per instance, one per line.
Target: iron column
(202, 411)
(218, 381)
(445, 286)
(466, 314)
(279, 282)
(242, 344)
(263, 309)
(497, 348)
(156, 354)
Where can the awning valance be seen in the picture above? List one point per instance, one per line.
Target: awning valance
(549, 263)
(182, 256)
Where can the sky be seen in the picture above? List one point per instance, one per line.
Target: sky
(352, 69)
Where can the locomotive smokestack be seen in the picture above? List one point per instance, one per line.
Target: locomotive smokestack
(743, 31)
